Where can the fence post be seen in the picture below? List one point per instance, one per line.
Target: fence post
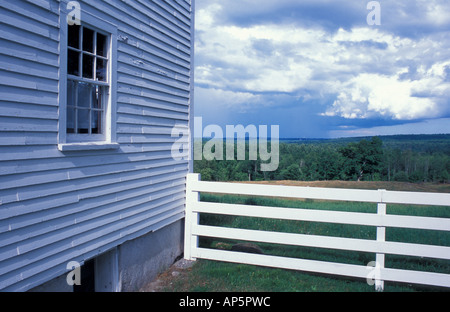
(191, 218)
(381, 237)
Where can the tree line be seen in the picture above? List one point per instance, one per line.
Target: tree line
(368, 159)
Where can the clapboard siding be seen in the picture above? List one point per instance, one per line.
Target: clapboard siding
(159, 22)
(26, 38)
(87, 242)
(88, 186)
(27, 96)
(47, 11)
(82, 220)
(133, 22)
(57, 207)
(147, 74)
(28, 82)
(155, 60)
(153, 86)
(182, 21)
(30, 166)
(163, 56)
(33, 69)
(10, 109)
(150, 111)
(31, 24)
(17, 138)
(30, 214)
(17, 50)
(28, 228)
(144, 93)
(56, 176)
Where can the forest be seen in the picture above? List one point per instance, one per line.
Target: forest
(404, 158)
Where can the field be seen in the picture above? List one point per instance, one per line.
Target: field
(219, 276)
(369, 185)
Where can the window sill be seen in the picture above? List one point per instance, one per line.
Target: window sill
(89, 146)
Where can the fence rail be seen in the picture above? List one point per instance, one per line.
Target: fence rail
(379, 273)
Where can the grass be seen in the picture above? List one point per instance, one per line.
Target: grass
(214, 276)
(211, 276)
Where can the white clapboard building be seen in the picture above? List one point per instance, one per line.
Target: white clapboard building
(90, 91)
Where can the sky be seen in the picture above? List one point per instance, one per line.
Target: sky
(324, 68)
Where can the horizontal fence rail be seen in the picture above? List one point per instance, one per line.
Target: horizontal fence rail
(379, 273)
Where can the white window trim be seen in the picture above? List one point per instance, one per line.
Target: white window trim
(111, 108)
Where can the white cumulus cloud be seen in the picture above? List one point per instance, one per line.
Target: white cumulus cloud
(367, 72)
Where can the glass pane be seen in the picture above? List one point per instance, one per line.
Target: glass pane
(88, 66)
(71, 103)
(74, 36)
(98, 97)
(88, 40)
(96, 122)
(83, 121)
(73, 63)
(101, 69)
(101, 45)
(84, 95)
(71, 91)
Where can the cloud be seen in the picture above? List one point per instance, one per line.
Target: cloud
(311, 13)
(230, 100)
(416, 19)
(429, 126)
(408, 18)
(260, 58)
(371, 96)
(252, 55)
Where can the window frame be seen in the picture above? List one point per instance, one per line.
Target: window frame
(107, 140)
(79, 79)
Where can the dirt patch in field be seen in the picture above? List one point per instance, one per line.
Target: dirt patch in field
(165, 280)
(368, 185)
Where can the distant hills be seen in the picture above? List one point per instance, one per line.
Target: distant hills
(428, 143)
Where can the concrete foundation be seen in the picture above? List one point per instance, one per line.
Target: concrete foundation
(142, 259)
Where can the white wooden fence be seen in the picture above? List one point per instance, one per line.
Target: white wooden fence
(377, 273)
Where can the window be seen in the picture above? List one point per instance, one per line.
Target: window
(87, 101)
(87, 82)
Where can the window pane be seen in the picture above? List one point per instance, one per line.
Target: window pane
(88, 40)
(71, 98)
(71, 90)
(101, 69)
(84, 95)
(83, 121)
(97, 103)
(88, 66)
(74, 36)
(73, 63)
(96, 122)
(101, 45)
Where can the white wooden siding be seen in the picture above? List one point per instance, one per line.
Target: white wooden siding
(61, 206)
